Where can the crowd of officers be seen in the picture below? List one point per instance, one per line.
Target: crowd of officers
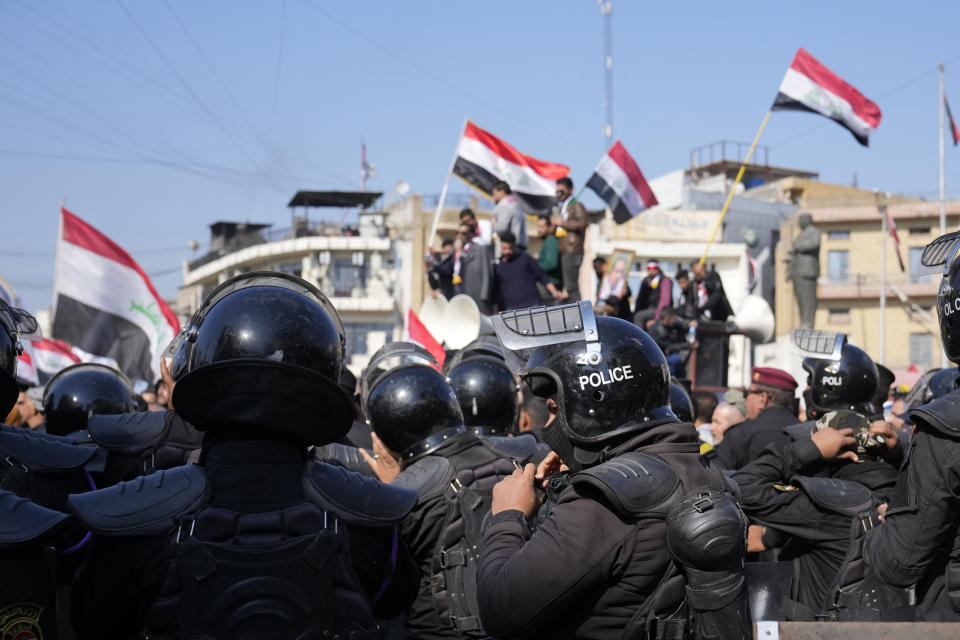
(543, 482)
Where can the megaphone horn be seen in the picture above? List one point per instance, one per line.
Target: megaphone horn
(462, 322)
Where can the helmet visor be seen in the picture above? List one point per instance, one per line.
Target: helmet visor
(821, 345)
(523, 331)
(19, 323)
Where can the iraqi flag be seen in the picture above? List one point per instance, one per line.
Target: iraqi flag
(105, 305)
(483, 159)
(619, 182)
(810, 86)
(421, 335)
(953, 125)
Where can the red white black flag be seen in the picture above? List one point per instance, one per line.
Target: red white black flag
(953, 124)
(105, 304)
(620, 183)
(483, 159)
(810, 86)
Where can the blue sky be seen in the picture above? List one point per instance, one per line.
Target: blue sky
(152, 120)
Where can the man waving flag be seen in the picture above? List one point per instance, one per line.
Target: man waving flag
(810, 86)
(105, 304)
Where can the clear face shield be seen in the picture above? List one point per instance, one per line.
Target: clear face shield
(820, 345)
(523, 331)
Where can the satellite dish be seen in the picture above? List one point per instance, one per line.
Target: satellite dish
(755, 317)
(432, 316)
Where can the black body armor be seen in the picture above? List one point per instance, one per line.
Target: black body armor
(283, 573)
(703, 594)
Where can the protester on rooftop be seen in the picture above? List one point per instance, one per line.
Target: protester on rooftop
(549, 256)
(712, 303)
(508, 214)
(656, 293)
(684, 295)
(471, 270)
(516, 276)
(571, 218)
(441, 280)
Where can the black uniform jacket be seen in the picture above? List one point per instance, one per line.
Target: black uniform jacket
(585, 570)
(819, 539)
(742, 443)
(919, 534)
(123, 575)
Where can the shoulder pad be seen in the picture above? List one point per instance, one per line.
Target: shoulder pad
(344, 455)
(800, 431)
(845, 497)
(428, 476)
(635, 484)
(145, 506)
(37, 452)
(355, 498)
(521, 447)
(942, 414)
(128, 433)
(22, 520)
(6, 428)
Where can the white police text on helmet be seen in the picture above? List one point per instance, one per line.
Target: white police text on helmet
(951, 308)
(832, 381)
(617, 374)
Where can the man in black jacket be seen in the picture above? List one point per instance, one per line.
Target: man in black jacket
(595, 566)
(769, 409)
(811, 490)
(919, 541)
(670, 334)
(256, 540)
(712, 302)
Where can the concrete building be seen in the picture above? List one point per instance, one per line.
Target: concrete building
(849, 286)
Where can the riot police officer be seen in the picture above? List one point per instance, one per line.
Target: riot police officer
(28, 606)
(595, 567)
(82, 390)
(919, 543)
(421, 443)
(256, 540)
(487, 394)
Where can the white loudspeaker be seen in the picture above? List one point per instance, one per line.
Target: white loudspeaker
(431, 315)
(462, 322)
(755, 317)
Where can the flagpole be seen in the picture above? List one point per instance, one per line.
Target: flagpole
(726, 205)
(941, 107)
(446, 184)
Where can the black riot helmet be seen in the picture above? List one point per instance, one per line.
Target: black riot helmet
(487, 393)
(264, 352)
(607, 376)
(408, 403)
(945, 252)
(389, 357)
(680, 403)
(82, 390)
(13, 323)
(485, 345)
(942, 382)
(839, 375)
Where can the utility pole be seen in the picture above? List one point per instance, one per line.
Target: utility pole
(882, 210)
(606, 11)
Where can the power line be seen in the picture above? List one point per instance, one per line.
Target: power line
(159, 51)
(276, 77)
(441, 79)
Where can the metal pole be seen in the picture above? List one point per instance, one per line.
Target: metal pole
(883, 278)
(606, 10)
(941, 107)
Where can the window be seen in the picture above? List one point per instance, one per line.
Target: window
(358, 337)
(838, 235)
(838, 266)
(293, 268)
(838, 315)
(918, 272)
(919, 231)
(921, 350)
(348, 275)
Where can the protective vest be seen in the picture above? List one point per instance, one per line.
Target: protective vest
(28, 602)
(140, 443)
(703, 593)
(284, 573)
(465, 481)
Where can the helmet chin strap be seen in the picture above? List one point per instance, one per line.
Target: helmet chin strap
(573, 456)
